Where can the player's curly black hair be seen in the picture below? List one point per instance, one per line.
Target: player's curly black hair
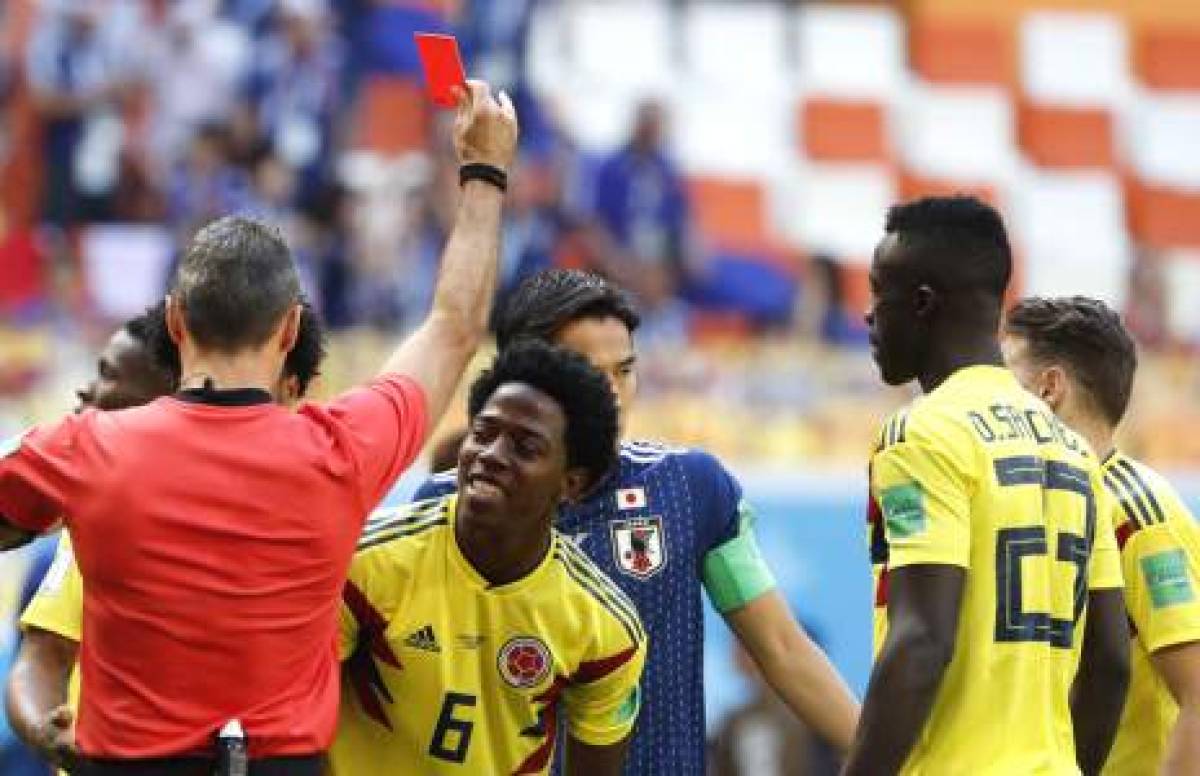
(960, 241)
(1087, 338)
(576, 386)
(546, 302)
(303, 362)
(144, 330)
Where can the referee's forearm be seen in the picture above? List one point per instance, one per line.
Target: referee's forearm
(467, 280)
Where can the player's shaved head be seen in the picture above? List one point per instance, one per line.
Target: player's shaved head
(956, 244)
(938, 280)
(235, 283)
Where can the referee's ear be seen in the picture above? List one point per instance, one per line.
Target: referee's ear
(289, 329)
(173, 315)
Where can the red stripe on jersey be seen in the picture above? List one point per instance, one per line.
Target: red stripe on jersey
(591, 670)
(361, 670)
(874, 513)
(537, 761)
(881, 588)
(1124, 531)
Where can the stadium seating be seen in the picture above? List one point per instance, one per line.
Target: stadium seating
(1080, 124)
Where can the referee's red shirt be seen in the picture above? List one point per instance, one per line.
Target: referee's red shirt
(213, 532)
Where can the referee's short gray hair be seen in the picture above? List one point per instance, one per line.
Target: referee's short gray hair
(235, 282)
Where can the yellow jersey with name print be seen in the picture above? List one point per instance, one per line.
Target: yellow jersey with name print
(980, 474)
(1160, 555)
(446, 674)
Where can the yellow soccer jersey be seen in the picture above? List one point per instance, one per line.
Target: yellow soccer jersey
(980, 474)
(446, 675)
(1160, 555)
(57, 606)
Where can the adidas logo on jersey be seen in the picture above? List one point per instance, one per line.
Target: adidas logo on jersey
(423, 638)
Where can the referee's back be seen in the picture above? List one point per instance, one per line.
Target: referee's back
(241, 515)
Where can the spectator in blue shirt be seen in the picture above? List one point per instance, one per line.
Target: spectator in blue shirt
(295, 89)
(641, 202)
(74, 73)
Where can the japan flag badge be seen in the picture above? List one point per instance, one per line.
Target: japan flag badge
(631, 498)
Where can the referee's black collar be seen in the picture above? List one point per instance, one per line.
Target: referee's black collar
(233, 397)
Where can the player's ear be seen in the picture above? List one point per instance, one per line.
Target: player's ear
(575, 482)
(1053, 386)
(925, 300)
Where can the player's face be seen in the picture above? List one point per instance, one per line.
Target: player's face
(894, 327)
(608, 344)
(126, 376)
(513, 464)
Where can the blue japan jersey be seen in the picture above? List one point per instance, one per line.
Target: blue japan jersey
(649, 525)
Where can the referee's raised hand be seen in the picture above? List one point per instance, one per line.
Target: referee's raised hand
(485, 127)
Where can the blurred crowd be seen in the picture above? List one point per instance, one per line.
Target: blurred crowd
(129, 123)
(172, 112)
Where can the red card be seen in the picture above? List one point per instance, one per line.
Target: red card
(443, 66)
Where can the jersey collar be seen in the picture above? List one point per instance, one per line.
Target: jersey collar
(233, 397)
(979, 371)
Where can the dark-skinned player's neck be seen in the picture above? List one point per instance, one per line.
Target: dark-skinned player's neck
(499, 554)
(959, 352)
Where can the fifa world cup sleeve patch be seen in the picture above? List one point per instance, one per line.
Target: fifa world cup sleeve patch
(1166, 575)
(903, 510)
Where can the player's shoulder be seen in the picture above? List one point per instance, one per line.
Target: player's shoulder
(590, 589)
(894, 429)
(650, 452)
(925, 421)
(391, 529)
(641, 455)
(1147, 496)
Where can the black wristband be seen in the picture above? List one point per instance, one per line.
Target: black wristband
(483, 172)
